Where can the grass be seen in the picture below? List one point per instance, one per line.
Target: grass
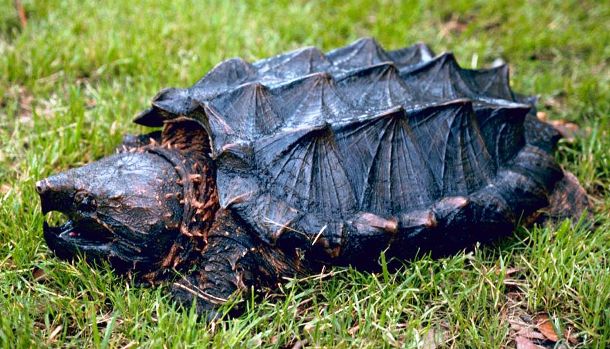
(72, 80)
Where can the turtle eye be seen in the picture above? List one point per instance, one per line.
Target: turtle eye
(84, 201)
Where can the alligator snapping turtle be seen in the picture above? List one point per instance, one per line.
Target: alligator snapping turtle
(305, 159)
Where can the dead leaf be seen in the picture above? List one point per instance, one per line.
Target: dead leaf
(568, 130)
(39, 275)
(299, 344)
(309, 327)
(524, 343)
(545, 326)
(510, 271)
(429, 340)
(514, 297)
(90, 103)
(541, 116)
(54, 334)
(130, 345)
(530, 332)
(513, 282)
(567, 334)
(352, 331)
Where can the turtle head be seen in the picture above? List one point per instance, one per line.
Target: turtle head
(125, 209)
(144, 209)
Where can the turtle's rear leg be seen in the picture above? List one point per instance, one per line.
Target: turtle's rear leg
(234, 260)
(567, 200)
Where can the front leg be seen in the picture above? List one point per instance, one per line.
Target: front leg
(233, 260)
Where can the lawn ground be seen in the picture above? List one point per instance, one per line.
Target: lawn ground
(74, 77)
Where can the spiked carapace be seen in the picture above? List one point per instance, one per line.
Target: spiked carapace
(306, 159)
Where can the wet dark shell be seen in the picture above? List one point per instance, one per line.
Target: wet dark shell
(333, 154)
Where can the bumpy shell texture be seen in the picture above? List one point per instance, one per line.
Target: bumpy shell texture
(346, 153)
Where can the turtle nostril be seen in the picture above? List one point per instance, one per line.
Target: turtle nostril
(41, 186)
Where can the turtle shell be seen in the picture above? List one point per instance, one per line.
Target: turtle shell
(344, 154)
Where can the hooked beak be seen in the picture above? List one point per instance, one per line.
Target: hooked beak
(54, 193)
(78, 233)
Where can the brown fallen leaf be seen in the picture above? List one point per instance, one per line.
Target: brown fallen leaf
(509, 271)
(90, 103)
(352, 331)
(54, 334)
(567, 334)
(429, 340)
(39, 275)
(545, 326)
(130, 345)
(567, 129)
(542, 116)
(524, 343)
(530, 333)
(299, 344)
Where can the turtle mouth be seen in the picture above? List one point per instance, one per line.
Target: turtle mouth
(69, 233)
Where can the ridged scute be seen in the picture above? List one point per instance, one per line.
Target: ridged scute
(314, 149)
(375, 87)
(362, 53)
(411, 55)
(388, 169)
(292, 65)
(442, 79)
